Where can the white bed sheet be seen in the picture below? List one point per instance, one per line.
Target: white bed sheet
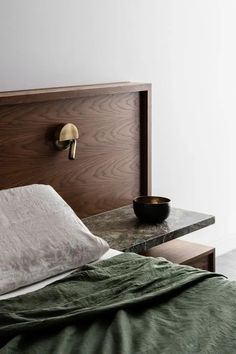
(28, 289)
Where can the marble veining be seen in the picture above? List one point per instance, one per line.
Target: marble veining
(123, 231)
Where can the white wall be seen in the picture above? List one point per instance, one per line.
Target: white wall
(186, 48)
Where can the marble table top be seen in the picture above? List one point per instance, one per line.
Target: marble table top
(123, 232)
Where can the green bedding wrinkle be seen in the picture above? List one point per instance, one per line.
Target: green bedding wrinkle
(126, 304)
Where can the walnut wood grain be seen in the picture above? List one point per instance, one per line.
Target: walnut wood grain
(58, 93)
(111, 167)
(185, 252)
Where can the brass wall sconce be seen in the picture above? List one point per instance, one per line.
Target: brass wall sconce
(66, 138)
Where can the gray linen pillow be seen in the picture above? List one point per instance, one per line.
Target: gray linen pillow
(41, 236)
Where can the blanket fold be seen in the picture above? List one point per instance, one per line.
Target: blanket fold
(125, 304)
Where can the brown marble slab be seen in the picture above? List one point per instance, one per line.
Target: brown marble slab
(122, 230)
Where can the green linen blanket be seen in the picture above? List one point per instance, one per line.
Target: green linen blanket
(126, 304)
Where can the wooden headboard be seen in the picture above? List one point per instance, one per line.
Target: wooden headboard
(113, 155)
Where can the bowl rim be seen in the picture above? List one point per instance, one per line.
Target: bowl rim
(141, 198)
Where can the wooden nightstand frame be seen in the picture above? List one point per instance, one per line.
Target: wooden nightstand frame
(185, 252)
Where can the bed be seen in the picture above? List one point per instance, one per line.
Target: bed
(120, 302)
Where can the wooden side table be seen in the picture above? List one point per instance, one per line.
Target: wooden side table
(185, 252)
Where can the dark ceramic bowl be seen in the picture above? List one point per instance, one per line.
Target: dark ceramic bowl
(150, 209)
